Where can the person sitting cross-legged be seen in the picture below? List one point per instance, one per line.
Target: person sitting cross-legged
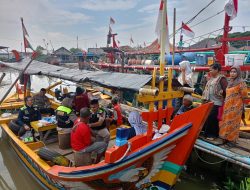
(81, 140)
(26, 115)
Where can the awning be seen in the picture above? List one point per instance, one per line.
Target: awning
(108, 79)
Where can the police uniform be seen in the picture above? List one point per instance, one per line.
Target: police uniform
(101, 132)
(28, 114)
(25, 116)
(63, 117)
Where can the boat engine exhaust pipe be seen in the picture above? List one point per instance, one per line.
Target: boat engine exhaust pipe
(149, 91)
(186, 89)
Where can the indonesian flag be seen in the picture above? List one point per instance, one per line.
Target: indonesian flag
(231, 8)
(187, 31)
(25, 37)
(111, 20)
(159, 27)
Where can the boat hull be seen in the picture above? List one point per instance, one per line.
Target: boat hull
(156, 164)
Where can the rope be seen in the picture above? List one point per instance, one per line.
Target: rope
(207, 18)
(125, 154)
(207, 162)
(190, 20)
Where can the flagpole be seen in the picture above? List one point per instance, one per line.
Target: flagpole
(163, 44)
(174, 26)
(23, 35)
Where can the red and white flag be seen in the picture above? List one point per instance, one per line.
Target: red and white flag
(231, 8)
(187, 31)
(111, 21)
(25, 37)
(159, 27)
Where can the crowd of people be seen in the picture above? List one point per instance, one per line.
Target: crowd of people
(88, 122)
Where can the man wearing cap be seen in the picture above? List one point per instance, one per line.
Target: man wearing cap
(81, 140)
(187, 104)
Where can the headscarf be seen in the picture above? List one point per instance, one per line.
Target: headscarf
(237, 80)
(188, 73)
(135, 121)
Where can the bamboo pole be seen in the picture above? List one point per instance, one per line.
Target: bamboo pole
(13, 84)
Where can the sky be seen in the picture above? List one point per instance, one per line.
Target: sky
(61, 21)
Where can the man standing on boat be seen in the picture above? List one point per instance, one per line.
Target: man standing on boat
(81, 140)
(27, 114)
(41, 101)
(98, 122)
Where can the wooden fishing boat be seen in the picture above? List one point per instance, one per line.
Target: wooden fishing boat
(140, 163)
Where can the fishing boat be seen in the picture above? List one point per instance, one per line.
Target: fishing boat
(151, 163)
(139, 163)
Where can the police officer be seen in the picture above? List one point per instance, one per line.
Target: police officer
(97, 122)
(26, 115)
(64, 114)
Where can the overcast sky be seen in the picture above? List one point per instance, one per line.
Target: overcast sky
(62, 20)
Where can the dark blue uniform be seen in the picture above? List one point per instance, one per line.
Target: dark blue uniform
(28, 114)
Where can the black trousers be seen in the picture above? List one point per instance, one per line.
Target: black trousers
(211, 126)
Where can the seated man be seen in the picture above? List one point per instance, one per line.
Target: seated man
(65, 116)
(187, 104)
(42, 103)
(26, 115)
(81, 140)
(117, 112)
(81, 99)
(98, 123)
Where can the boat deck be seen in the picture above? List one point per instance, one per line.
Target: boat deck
(68, 153)
(238, 154)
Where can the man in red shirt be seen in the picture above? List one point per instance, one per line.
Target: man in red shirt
(81, 136)
(81, 99)
(117, 111)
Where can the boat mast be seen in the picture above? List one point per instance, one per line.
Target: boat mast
(224, 46)
(163, 49)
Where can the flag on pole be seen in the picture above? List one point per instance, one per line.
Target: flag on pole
(111, 21)
(187, 31)
(131, 40)
(25, 37)
(231, 8)
(159, 27)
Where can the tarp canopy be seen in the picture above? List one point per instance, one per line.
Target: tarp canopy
(108, 79)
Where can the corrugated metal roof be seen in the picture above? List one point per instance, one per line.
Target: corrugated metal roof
(109, 79)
